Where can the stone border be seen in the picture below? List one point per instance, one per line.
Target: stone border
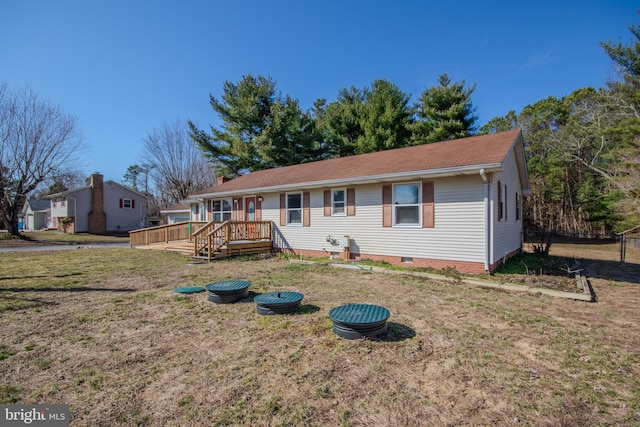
(582, 283)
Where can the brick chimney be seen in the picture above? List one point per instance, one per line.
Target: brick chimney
(97, 216)
(223, 179)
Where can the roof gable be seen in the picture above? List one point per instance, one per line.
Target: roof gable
(448, 157)
(38, 205)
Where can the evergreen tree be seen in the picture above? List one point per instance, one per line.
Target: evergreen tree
(386, 118)
(341, 122)
(444, 112)
(261, 129)
(364, 120)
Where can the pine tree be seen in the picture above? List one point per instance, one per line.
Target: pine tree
(261, 129)
(444, 112)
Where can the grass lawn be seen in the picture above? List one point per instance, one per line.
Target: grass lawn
(102, 331)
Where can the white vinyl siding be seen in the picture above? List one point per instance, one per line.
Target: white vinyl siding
(507, 232)
(458, 235)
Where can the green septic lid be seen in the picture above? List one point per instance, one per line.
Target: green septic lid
(275, 298)
(359, 314)
(189, 290)
(228, 285)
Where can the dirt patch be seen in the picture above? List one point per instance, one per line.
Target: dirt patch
(123, 349)
(19, 243)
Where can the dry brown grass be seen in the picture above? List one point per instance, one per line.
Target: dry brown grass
(101, 330)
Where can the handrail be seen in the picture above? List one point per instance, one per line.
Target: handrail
(201, 242)
(220, 234)
(218, 237)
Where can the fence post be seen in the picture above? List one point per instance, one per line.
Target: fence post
(623, 247)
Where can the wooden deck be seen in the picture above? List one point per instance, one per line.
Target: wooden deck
(206, 240)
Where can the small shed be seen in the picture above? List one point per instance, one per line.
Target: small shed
(37, 214)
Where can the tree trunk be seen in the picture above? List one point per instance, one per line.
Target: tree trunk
(12, 228)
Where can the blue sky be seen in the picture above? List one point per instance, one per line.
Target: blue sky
(122, 67)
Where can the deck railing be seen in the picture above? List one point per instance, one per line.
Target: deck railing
(202, 239)
(207, 237)
(214, 235)
(164, 233)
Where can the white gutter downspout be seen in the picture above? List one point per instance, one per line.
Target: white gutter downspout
(487, 222)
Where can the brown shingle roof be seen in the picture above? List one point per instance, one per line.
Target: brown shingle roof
(457, 153)
(177, 207)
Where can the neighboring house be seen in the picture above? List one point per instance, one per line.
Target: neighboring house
(455, 204)
(100, 207)
(177, 213)
(36, 214)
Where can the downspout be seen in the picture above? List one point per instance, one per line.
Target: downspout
(487, 222)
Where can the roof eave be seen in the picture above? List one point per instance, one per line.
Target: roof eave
(175, 211)
(361, 180)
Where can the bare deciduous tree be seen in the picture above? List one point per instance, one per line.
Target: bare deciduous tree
(178, 167)
(38, 140)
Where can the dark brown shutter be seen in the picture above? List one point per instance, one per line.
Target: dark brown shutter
(306, 209)
(505, 202)
(351, 201)
(258, 209)
(133, 203)
(427, 205)
(387, 208)
(327, 202)
(499, 201)
(120, 202)
(283, 209)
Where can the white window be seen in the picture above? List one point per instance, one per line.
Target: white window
(221, 210)
(338, 202)
(406, 204)
(126, 203)
(294, 208)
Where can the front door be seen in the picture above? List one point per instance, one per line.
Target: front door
(250, 216)
(250, 208)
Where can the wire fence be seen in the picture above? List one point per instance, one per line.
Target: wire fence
(541, 240)
(536, 235)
